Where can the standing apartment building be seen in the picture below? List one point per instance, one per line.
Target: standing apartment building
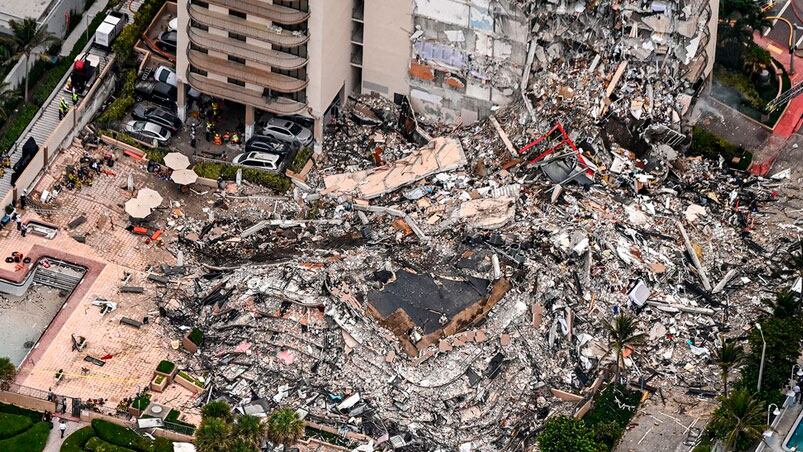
(454, 58)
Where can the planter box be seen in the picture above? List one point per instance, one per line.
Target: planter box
(134, 412)
(159, 383)
(188, 384)
(188, 345)
(169, 376)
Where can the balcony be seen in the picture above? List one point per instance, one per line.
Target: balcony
(283, 38)
(276, 82)
(279, 106)
(275, 13)
(246, 51)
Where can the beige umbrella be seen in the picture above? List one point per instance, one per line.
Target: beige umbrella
(149, 198)
(177, 161)
(136, 209)
(184, 177)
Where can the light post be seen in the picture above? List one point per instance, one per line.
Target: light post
(774, 413)
(763, 352)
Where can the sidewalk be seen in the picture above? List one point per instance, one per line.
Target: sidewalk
(54, 440)
(790, 122)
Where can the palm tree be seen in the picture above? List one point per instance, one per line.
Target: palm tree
(623, 334)
(213, 435)
(219, 409)
(250, 431)
(6, 95)
(8, 371)
(28, 36)
(284, 427)
(728, 356)
(745, 417)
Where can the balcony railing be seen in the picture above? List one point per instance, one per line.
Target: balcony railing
(279, 105)
(274, 13)
(278, 36)
(247, 51)
(276, 82)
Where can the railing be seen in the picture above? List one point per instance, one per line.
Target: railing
(247, 28)
(245, 50)
(245, 96)
(274, 13)
(276, 82)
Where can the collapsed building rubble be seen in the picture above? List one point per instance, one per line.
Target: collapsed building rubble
(464, 306)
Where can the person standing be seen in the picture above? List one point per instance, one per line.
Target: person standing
(23, 230)
(24, 199)
(18, 221)
(62, 426)
(192, 138)
(63, 107)
(796, 390)
(74, 96)
(208, 131)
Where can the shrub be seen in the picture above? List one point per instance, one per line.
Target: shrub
(34, 416)
(13, 425)
(191, 379)
(123, 46)
(117, 110)
(165, 366)
(33, 439)
(612, 411)
(300, 159)
(566, 434)
(196, 336)
(275, 182)
(120, 436)
(77, 441)
(141, 402)
(96, 444)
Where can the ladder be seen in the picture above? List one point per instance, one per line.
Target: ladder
(785, 97)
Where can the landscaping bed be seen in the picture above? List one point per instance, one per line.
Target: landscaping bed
(108, 437)
(22, 430)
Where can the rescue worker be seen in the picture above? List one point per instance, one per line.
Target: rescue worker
(74, 97)
(63, 107)
(226, 137)
(217, 140)
(215, 109)
(235, 138)
(192, 137)
(209, 126)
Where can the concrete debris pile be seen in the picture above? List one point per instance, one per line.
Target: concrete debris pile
(639, 62)
(466, 304)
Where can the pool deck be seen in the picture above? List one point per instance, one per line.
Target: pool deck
(782, 426)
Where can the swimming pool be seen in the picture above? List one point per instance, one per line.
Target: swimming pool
(795, 437)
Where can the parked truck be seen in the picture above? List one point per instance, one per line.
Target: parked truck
(111, 26)
(84, 73)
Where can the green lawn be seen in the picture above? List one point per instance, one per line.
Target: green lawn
(21, 430)
(104, 436)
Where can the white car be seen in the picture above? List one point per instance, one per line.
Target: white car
(173, 24)
(167, 75)
(148, 132)
(287, 131)
(259, 160)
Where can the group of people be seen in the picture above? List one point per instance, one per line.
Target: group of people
(63, 107)
(48, 417)
(212, 114)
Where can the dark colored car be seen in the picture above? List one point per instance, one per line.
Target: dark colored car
(259, 143)
(167, 41)
(158, 92)
(157, 115)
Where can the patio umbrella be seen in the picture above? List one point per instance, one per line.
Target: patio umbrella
(136, 209)
(149, 198)
(177, 161)
(184, 177)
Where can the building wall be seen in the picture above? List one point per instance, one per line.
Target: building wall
(467, 56)
(386, 49)
(183, 41)
(329, 50)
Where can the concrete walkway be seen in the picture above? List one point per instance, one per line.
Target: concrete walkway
(54, 440)
(80, 29)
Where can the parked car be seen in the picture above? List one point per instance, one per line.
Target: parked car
(167, 41)
(158, 116)
(287, 131)
(147, 132)
(173, 24)
(167, 75)
(270, 145)
(158, 92)
(261, 160)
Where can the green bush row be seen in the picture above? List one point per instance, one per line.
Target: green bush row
(77, 441)
(34, 416)
(33, 439)
(124, 101)
(155, 154)
(13, 424)
(124, 437)
(123, 46)
(276, 182)
(96, 444)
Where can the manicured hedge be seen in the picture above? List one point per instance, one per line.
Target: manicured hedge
(275, 182)
(77, 441)
(34, 416)
(123, 46)
(13, 425)
(32, 440)
(96, 444)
